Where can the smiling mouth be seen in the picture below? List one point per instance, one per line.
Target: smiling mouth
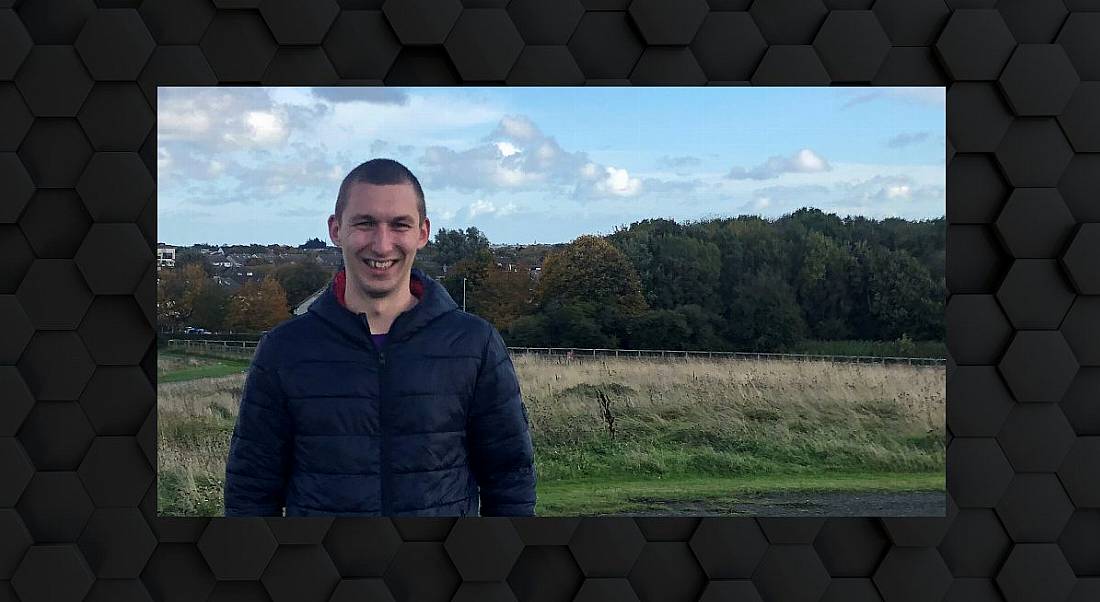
(380, 265)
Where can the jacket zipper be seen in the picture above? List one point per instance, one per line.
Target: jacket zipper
(384, 446)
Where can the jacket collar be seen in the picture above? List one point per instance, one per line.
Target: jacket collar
(434, 302)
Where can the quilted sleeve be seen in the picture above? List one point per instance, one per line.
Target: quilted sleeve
(501, 454)
(259, 452)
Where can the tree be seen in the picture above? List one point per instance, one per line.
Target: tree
(257, 306)
(177, 290)
(473, 269)
(822, 287)
(590, 269)
(704, 327)
(903, 298)
(503, 296)
(685, 271)
(660, 329)
(301, 279)
(210, 306)
(498, 295)
(452, 246)
(529, 331)
(573, 324)
(764, 315)
(193, 256)
(313, 243)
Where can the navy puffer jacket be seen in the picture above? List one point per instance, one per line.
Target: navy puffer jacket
(329, 425)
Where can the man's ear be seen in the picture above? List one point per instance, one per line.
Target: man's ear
(334, 230)
(425, 233)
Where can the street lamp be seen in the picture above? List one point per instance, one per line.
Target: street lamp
(463, 293)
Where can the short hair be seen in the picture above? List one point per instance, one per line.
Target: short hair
(380, 172)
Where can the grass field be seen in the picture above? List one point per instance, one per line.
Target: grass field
(177, 367)
(627, 435)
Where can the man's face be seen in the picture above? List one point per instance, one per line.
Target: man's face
(379, 232)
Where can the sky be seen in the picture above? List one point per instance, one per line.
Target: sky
(545, 165)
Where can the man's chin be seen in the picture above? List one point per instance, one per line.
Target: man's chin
(377, 287)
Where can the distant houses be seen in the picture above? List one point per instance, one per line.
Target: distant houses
(166, 256)
(231, 266)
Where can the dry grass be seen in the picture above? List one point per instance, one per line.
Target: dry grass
(175, 363)
(195, 419)
(197, 397)
(671, 417)
(724, 393)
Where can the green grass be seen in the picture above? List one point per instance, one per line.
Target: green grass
(212, 367)
(768, 452)
(699, 434)
(624, 495)
(180, 493)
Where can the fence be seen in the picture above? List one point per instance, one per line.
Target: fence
(232, 349)
(247, 348)
(576, 353)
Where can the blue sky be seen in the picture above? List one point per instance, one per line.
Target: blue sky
(263, 165)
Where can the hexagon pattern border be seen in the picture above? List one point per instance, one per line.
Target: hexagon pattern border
(77, 356)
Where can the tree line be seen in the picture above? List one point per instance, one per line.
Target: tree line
(188, 295)
(730, 284)
(727, 284)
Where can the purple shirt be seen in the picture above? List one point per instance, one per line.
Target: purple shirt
(378, 339)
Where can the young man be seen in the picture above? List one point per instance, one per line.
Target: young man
(384, 398)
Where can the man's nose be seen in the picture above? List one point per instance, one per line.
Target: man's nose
(382, 240)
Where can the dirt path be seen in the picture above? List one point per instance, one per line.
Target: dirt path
(910, 503)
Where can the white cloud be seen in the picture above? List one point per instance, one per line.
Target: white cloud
(876, 191)
(164, 161)
(265, 128)
(807, 161)
(185, 165)
(777, 200)
(422, 120)
(518, 156)
(486, 208)
(182, 120)
(619, 182)
(510, 177)
(480, 207)
(900, 191)
(507, 149)
(516, 127)
(515, 156)
(803, 161)
(546, 152)
(887, 195)
(208, 122)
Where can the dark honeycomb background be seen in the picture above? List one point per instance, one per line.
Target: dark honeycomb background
(78, 223)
